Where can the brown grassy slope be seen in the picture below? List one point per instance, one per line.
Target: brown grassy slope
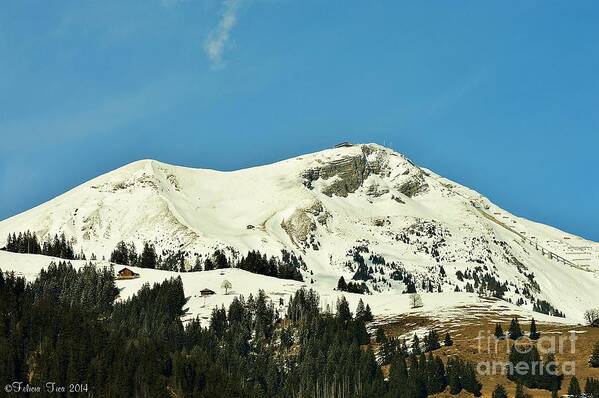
(468, 344)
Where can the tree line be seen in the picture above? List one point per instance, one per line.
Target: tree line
(27, 242)
(285, 267)
(352, 287)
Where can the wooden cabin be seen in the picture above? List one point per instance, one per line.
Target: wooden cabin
(126, 273)
(207, 292)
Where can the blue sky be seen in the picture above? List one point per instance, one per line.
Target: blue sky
(500, 96)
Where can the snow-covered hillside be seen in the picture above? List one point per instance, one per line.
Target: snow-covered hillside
(360, 211)
(386, 307)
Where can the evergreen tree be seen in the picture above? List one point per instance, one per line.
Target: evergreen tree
(387, 351)
(469, 381)
(398, 377)
(499, 392)
(220, 260)
(431, 341)
(435, 375)
(360, 310)
(208, 264)
(448, 342)
(343, 312)
(594, 360)
(417, 376)
(591, 387)
(197, 267)
(133, 258)
(148, 256)
(368, 317)
(551, 380)
(120, 255)
(410, 287)
(218, 321)
(534, 334)
(574, 388)
(380, 336)
(453, 377)
(360, 334)
(341, 284)
(499, 334)
(515, 332)
(520, 393)
(416, 350)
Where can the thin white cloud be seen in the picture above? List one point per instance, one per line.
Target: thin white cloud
(219, 38)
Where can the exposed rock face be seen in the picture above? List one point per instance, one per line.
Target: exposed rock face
(376, 190)
(378, 163)
(302, 224)
(413, 186)
(346, 175)
(343, 176)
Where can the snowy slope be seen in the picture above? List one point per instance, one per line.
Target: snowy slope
(384, 306)
(326, 207)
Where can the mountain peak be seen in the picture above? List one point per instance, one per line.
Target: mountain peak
(347, 211)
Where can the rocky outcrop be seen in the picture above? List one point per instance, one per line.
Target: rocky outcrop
(376, 190)
(413, 186)
(377, 160)
(302, 224)
(344, 176)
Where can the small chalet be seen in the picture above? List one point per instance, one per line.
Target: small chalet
(207, 292)
(126, 273)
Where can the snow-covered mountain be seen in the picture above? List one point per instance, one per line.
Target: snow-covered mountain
(360, 211)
